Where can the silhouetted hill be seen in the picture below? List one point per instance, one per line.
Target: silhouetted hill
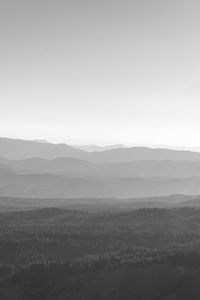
(140, 154)
(93, 148)
(58, 165)
(40, 141)
(95, 204)
(57, 186)
(146, 254)
(192, 203)
(146, 168)
(131, 276)
(21, 149)
(79, 167)
(6, 173)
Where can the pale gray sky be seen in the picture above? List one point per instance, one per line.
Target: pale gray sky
(106, 71)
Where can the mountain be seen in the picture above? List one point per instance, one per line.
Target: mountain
(195, 202)
(146, 168)
(61, 165)
(78, 167)
(6, 173)
(141, 153)
(21, 149)
(57, 186)
(95, 148)
(40, 141)
(94, 204)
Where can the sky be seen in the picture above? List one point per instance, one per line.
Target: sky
(101, 71)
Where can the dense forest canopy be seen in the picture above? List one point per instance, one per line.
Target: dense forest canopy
(54, 253)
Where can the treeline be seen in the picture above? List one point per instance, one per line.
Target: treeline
(145, 254)
(129, 274)
(54, 234)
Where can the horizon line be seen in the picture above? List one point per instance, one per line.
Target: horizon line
(102, 145)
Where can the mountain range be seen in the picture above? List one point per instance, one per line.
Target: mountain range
(22, 149)
(46, 170)
(78, 167)
(96, 148)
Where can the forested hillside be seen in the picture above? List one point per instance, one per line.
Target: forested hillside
(57, 253)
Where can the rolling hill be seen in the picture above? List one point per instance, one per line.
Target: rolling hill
(57, 186)
(79, 167)
(21, 149)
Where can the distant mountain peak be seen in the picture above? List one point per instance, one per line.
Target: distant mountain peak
(97, 148)
(40, 141)
(22, 149)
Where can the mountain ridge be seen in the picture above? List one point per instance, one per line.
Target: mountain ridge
(23, 149)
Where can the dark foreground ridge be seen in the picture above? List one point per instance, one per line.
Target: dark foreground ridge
(132, 274)
(76, 254)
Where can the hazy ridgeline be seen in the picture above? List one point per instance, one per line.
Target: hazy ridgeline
(45, 170)
(121, 223)
(99, 194)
